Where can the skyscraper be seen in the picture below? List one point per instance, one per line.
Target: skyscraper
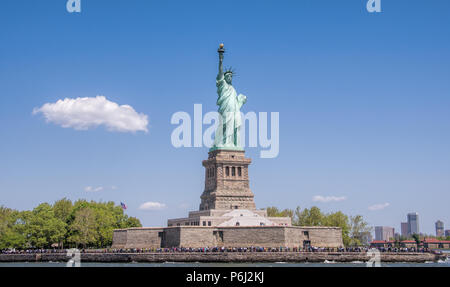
(413, 223)
(439, 228)
(404, 228)
(384, 233)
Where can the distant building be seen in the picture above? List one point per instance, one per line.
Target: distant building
(404, 228)
(413, 223)
(381, 243)
(366, 238)
(447, 232)
(408, 244)
(433, 243)
(439, 228)
(384, 233)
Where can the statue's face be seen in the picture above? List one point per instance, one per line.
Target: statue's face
(228, 78)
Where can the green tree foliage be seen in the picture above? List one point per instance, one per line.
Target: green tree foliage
(354, 228)
(131, 222)
(6, 224)
(274, 212)
(78, 224)
(104, 216)
(341, 220)
(83, 228)
(43, 227)
(358, 229)
(416, 238)
(12, 233)
(309, 217)
(63, 209)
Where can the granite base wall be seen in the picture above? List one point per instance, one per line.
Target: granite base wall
(145, 238)
(196, 236)
(120, 238)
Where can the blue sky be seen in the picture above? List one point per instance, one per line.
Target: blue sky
(363, 98)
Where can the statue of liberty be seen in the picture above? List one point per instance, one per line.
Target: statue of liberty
(228, 132)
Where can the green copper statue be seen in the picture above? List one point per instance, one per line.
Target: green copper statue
(228, 132)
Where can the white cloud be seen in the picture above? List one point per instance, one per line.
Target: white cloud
(93, 189)
(325, 199)
(85, 113)
(379, 206)
(152, 206)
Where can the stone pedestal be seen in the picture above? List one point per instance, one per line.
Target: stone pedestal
(227, 199)
(227, 181)
(227, 217)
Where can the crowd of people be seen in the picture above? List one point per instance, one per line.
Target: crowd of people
(216, 249)
(404, 249)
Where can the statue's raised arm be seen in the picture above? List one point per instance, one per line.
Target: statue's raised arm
(221, 52)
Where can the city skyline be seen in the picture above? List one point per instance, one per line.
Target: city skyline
(363, 103)
(406, 227)
(384, 233)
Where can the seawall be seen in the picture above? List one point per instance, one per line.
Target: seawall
(225, 257)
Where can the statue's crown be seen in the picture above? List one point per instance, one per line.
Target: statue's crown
(230, 71)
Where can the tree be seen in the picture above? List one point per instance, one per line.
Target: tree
(341, 220)
(100, 222)
(358, 229)
(308, 217)
(6, 224)
(83, 228)
(416, 238)
(296, 217)
(354, 228)
(81, 223)
(43, 227)
(274, 212)
(133, 222)
(63, 209)
(11, 229)
(107, 219)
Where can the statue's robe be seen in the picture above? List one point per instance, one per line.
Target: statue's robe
(229, 108)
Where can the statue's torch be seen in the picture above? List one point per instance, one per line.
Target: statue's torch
(221, 51)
